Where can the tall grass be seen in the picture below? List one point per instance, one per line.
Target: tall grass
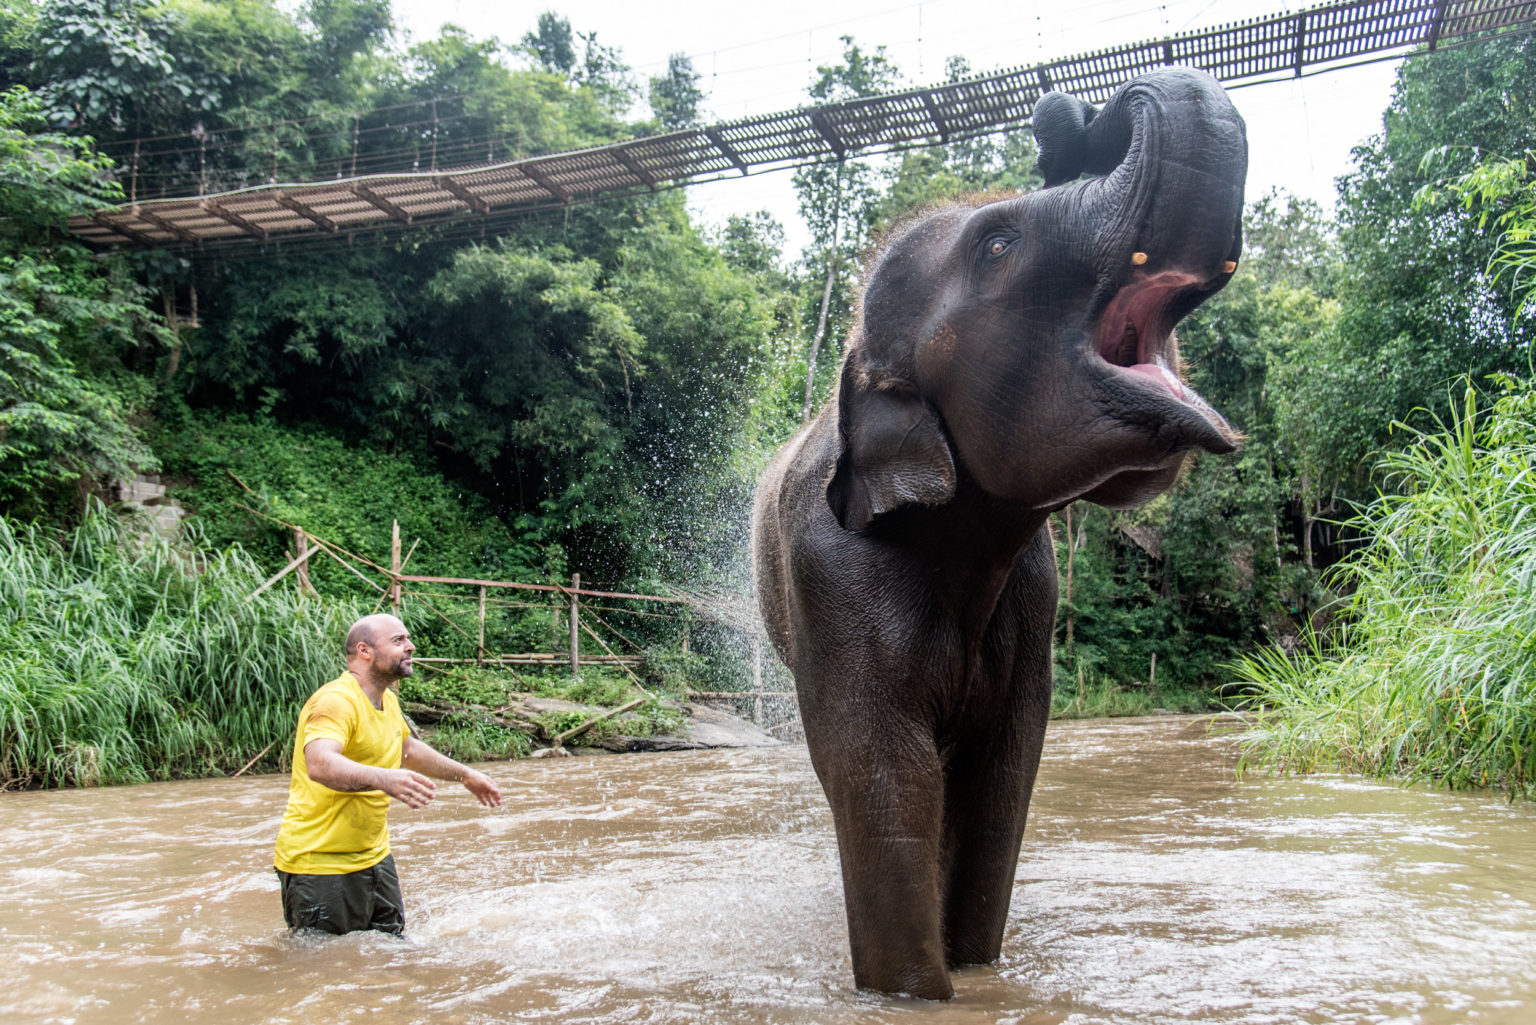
(125, 657)
(1430, 670)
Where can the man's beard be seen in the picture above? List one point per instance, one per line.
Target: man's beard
(399, 669)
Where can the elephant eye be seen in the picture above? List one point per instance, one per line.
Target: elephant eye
(998, 245)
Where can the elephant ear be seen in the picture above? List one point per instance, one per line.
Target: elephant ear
(893, 452)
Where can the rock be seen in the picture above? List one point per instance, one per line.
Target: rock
(145, 496)
(708, 728)
(556, 706)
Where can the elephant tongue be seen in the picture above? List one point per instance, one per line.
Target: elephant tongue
(1164, 378)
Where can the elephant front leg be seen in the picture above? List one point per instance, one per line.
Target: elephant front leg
(887, 805)
(987, 804)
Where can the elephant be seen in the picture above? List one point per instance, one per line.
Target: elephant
(1008, 356)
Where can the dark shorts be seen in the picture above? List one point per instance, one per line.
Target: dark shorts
(369, 899)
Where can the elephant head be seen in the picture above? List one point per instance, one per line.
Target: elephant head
(1027, 342)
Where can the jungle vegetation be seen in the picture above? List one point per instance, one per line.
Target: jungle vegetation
(594, 390)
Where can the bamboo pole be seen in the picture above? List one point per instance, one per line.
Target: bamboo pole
(575, 625)
(394, 566)
(300, 546)
(480, 645)
(253, 761)
(561, 738)
(555, 588)
(295, 564)
(614, 658)
(349, 567)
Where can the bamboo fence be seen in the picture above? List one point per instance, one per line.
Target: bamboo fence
(394, 586)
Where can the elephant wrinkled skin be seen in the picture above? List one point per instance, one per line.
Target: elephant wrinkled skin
(1010, 357)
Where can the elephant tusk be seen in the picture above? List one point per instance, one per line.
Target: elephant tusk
(1229, 267)
(1138, 258)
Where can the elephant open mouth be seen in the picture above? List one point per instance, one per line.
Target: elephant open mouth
(1135, 335)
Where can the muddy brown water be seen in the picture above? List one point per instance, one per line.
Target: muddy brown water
(703, 886)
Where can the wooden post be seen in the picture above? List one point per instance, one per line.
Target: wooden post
(575, 625)
(480, 649)
(757, 679)
(1152, 673)
(301, 550)
(686, 632)
(394, 566)
(1071, 552)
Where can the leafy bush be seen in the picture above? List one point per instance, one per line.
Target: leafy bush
(1431, 673)
(347, 493)
(460, 684)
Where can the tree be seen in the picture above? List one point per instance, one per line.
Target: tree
(675, 97)
(839, 200)
(108, 63)
(552, 44)
(1419, 306)
(65, 403)
(592, 65)
(1502, 192)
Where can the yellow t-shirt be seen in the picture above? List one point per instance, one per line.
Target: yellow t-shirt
(325, 831)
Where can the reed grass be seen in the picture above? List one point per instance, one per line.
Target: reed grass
(1429, 672)
(125, 657)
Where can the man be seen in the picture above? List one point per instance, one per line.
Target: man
(352, 752)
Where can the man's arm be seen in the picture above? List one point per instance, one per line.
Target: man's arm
(421, 757)
(330, 768)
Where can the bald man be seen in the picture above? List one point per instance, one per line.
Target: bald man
(352, 753)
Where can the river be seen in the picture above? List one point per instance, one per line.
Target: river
(1154, 887)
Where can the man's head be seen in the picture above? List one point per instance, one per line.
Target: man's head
(379, 646)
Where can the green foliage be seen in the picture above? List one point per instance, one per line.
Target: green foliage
(1430, 673)
(344, 492)
(1502, 191)
(129, 658)
(1418, 307)
(596, 67)
(67, 323)
(460, 684)
(676, 97)
(593, 686)
(673, 670)
(471, 732)
(109, 62)
(471, 738)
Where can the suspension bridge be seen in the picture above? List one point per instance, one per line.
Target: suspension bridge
(183, 195)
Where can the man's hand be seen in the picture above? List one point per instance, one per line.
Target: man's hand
(329, 767)
(410, 788)
(483, 787)
(418, 755)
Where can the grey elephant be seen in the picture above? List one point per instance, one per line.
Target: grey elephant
(1009, 357)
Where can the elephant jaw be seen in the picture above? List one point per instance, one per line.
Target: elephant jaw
(1135, 342)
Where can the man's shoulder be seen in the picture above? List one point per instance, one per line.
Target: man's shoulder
(343, 690)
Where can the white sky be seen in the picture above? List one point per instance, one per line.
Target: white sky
(759, 56)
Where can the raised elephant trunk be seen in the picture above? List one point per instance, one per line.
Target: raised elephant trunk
(1166, 160)
(1010, 357)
